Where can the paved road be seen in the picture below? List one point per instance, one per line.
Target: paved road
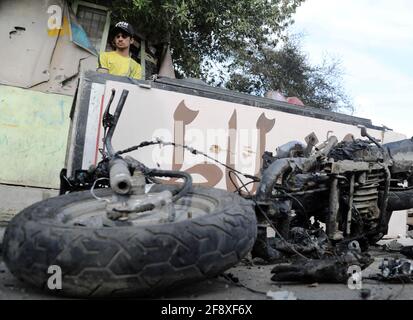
(255, 278)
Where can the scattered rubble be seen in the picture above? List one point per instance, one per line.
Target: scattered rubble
(332, 269)
(232, 278)
(313, 285)
(400, 270)
(365, 293)
(281, 295)
(393, 246)
(407, 251)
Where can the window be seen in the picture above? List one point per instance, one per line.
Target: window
(95, 20)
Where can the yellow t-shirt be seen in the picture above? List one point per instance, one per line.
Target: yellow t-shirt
(119, 65)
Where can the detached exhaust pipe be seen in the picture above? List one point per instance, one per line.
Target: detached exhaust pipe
(120, 177)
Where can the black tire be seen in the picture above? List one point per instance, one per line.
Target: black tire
(129, 260)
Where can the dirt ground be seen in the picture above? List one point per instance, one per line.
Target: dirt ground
(254, 283)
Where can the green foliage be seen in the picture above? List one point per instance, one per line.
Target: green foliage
(232, 43)
(288, 70)
(202, 32)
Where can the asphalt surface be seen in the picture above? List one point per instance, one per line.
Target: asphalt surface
(253, 283)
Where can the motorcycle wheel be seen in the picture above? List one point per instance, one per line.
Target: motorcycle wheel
(143, 259)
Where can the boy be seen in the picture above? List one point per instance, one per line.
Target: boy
(119, 62)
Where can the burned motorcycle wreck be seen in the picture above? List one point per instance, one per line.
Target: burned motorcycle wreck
(351, 188)
(119, 230)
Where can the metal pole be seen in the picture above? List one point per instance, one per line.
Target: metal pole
(333, 210)
(350, 204)
(143, 59)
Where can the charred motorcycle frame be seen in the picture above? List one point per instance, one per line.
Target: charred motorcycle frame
(352, 186)
(117, 229)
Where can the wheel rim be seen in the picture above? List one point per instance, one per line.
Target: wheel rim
(92, 212)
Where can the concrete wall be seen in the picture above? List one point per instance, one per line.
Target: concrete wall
(33, 136)
(45, 59)
(34, 121)
(232, 133)
(15, 199)
(39, 58)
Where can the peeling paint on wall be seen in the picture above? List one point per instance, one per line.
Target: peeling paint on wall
(40, 58)
(33, 136)
(25, 45)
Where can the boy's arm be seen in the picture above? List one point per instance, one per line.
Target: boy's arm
(103, 61)
(137, 72)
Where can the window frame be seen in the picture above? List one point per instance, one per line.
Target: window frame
(105, 34)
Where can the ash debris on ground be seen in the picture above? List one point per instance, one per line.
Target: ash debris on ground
(309, 257)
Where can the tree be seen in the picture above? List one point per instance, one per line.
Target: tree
(233, 43)
(288, 70)
(204, 32)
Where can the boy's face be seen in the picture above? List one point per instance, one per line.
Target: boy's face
(123, 40)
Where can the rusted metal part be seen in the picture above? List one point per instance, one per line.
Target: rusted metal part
(270, 177)
(332, 269)
(334, 206)
(325, 150)
(346, 166)
(401, 153)
(138, 183)
(120, 177)
(385, 199)
(293, 149)
(135, 206)
(366, 196)
(350, 205)
(348, 186)
(396, 270)
(364, 133)
(311, 141)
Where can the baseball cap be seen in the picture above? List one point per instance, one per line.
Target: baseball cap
(125, 27)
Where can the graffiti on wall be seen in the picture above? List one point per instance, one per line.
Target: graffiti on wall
(212, 173)
(33, 136)
(233, 134)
